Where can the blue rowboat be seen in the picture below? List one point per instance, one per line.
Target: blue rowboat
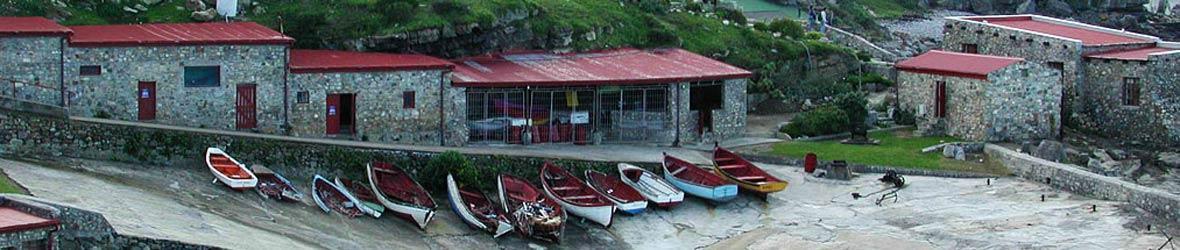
(697, 181)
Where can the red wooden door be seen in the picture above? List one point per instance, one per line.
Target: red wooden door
(146, 96)
(940, 99)
(333, 116)
(246, 109)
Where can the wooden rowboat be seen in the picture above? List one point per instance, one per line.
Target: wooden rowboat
(401, 194)
(733, 167)
(626, 198)
(531, 213)
(696, 181)
(363, 193)
(575, 196)
(228, 170)
(651, 186)
(273, 186)
(476, 209)
(330, 197)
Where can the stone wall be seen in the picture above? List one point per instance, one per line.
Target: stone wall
(31, 68)
(380, 115)
(728, 122)
(1023, 102)
(1034, 48)
(1019, 102)
(1077, 180)
(854, 41)
(31, 135)
(965, 107)
(1155, 121)
(113, 92)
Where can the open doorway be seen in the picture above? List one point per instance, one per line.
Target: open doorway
(341, 114)
(704, 98)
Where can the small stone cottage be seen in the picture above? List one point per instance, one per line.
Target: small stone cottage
(1118, 83)
(979, 97)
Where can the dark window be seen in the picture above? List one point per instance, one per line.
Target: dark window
(706, 97)
(940, 99)
(970, 48)
(408, 100)
(202, 76)
(90, 70)
(1131, 91)
(302, 97)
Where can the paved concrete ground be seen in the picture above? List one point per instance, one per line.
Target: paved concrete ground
(179, 202)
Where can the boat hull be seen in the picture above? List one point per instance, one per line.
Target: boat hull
(315, 195)
(631, 208)
(532, 227)
(236, 184)
(766, 188)
(368, 207)
(722, 193)
(603, 215)
(654, 189)
(458, 206)
(420, 216)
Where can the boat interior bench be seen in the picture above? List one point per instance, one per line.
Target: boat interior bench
(731, 166)
(581, 197)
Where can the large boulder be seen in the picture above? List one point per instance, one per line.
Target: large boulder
(204, 15)
(954, 151)
(1057, 8)
(1050, 150)
(195, 5)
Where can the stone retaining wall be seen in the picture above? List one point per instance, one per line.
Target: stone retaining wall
(1080, 181)
(859, 43)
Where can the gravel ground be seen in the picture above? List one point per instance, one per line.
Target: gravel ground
(179, 202)
(914, 36)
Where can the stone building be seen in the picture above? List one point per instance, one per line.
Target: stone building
(372, 96)
(664, 96)
(979, 97)
(243, 76)
(210, 75)
(1115, 82)
(31, 50)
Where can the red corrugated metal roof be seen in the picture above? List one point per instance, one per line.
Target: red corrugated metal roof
(608, 67)
(31, 26)
(214, 33)
(309, 61)
(1135, 54)
(12, 220)
(1087, 36)
(956, 64)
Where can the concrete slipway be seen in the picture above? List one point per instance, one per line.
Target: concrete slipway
(180, 203)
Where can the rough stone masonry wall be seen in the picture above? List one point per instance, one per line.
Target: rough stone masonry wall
(728, 122)
(35, 63)
(1023, 107)
(965, 104)
(113, 93)
(1155, 122)
(1034, 48)
(380, 115)
(1077, 180)
(29, 135)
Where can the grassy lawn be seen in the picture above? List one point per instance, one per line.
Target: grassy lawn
(8, 186)
(890, 9)
(898, 148)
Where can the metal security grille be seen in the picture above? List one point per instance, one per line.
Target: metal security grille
(491, 112)
(633, 114)
(553, 109)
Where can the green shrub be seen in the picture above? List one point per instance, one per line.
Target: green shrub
(825, 120)
(904, 117)
(855, 106)
(447, 7)
(694, 7)
(449, 162)
(732, 15)
(397, 11)
(653, 6)
(786, 27)
(812, 35)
